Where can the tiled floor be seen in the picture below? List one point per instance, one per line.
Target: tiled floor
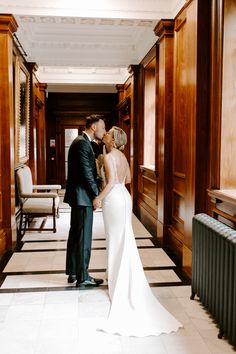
(41, 313)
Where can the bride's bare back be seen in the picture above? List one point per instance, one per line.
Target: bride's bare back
(116, 170)
(118, 167)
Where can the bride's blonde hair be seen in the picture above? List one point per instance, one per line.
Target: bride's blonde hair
(119, 137)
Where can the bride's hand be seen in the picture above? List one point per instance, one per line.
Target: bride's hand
(96, 203)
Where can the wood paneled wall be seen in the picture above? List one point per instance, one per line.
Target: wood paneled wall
(8, 131)
(70, 109)
(124, 113)
(190, 125)
(146, 193)
(8, 26)
(144, 184)
(183, 177)
(37, 153)
(228, 119)
(150, 112)
(222, 181)
(168, 196)
(128, 113)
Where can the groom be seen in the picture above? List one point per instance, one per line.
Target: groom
(81, 189)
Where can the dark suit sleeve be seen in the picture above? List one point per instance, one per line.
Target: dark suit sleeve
(87, 165)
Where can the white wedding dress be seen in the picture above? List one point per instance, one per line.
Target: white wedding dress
(134, 309)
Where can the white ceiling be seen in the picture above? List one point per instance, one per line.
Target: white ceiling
(87, 45)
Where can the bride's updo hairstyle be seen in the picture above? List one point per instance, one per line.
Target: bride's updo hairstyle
(119, 137)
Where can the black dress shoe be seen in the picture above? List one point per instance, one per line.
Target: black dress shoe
(71, 278)
(89, 283)
(98, 281)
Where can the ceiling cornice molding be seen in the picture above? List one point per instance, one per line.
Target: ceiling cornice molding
(70, 21)
(53, 75)
(91, 42)
(126, 9)
(95, 88)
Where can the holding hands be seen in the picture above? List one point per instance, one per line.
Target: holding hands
(97, 203)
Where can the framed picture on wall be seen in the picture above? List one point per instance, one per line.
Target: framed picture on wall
(22, 110)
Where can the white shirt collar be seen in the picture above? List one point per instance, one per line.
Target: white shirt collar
(87, 135)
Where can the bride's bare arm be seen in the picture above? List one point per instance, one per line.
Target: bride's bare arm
(128, 176)
(110, 177)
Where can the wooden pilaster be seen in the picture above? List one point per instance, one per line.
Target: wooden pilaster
(8, 26)
(165, 31)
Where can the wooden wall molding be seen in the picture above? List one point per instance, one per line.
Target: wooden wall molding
(32, 67)
(164, 28)
(133, 69)
(120, 89)
(8, 24)
(42, 87)
(146, 216)
(149, 56)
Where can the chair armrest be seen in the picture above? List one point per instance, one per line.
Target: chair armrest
(46, 186)
(39, 195)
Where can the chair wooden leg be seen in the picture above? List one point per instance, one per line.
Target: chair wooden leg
(23, 223)
(54, 222)
(54, 217)
(20, 226)
(29, 220)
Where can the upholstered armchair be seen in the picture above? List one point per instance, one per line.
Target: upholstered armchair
(34, 203)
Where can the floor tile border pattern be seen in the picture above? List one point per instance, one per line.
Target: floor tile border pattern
(18, 249)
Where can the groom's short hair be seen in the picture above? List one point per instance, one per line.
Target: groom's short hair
(93, 118)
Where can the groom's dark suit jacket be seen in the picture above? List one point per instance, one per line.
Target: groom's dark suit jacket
(81, 186)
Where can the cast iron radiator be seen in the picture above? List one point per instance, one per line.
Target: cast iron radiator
(214, 271)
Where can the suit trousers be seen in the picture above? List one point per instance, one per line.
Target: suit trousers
(79, 242)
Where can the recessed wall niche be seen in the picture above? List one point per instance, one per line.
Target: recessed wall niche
(149, 113)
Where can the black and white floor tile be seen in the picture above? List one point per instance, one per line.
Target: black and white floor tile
(41, 313)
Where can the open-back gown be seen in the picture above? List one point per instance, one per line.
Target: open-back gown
(134, 309)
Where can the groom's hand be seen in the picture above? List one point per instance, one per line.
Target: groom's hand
(96, 203)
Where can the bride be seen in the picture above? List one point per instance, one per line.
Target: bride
(134, 309)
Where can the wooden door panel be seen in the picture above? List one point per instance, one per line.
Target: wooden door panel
(180, 137)
(184, 127)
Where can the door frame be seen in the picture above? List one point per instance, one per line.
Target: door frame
(63, 124)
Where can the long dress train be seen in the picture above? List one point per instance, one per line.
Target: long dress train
(134, 309)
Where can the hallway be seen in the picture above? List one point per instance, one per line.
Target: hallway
(41, 313)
